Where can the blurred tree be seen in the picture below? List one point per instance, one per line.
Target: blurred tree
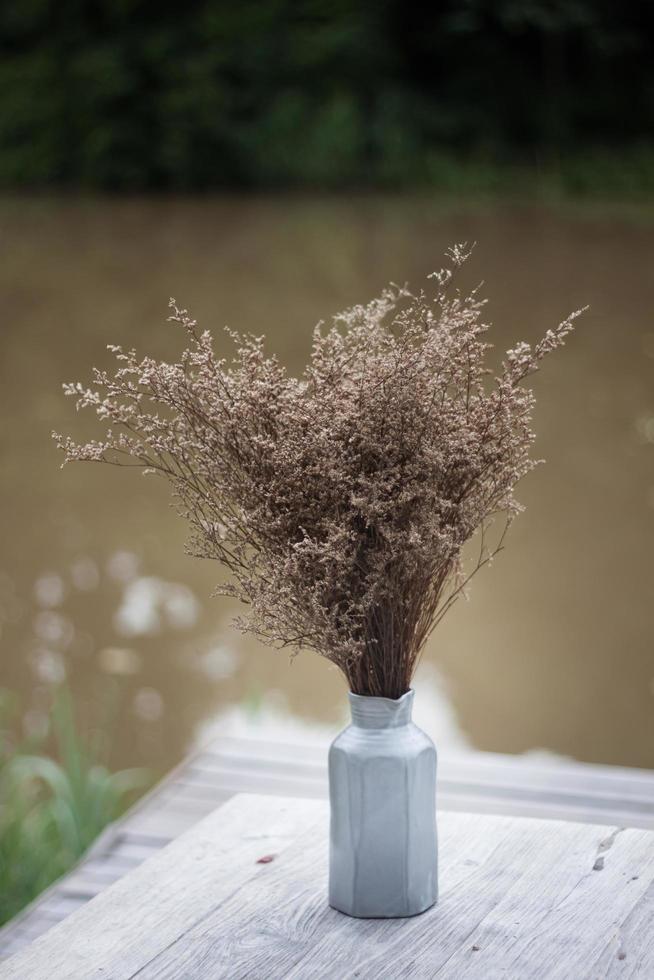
(132, 94)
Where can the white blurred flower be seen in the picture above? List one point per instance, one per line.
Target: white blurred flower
(53, 628)
(85, 574)
(180, 606)
(123, 566)
(49, 589)
(645, 427)
(148, 704)
(119, 660)
(218, 663)
(48, 665)
(149, 603)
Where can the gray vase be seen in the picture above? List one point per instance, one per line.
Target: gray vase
(383, 859)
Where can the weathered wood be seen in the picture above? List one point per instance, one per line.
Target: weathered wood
(469, 781)
(204, 867)
(520, 898)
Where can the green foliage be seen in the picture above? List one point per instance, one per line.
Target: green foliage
(51, 811)
(129, 94)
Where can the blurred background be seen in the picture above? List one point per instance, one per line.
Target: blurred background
(269, 164)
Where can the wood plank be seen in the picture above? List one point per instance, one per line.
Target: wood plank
(506, 884)
(515, 789)
(518, 798)
(519, 898)
(118, 932)
(468, 781)
(469, 765)
(629, 951)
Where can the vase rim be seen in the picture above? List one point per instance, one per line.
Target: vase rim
(367, 698)
(373, 712)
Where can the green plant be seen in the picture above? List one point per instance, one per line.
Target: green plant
(52, 810)
(295, 93)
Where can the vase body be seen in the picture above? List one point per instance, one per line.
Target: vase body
(383, 859)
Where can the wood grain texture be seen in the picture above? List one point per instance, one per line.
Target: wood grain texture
(468, 781)
(145, 912)
(520, 898)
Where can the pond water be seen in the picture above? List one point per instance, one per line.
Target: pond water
(554, 650)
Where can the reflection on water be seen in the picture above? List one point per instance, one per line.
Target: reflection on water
(554, 650)
(149, 605)
(272, 717)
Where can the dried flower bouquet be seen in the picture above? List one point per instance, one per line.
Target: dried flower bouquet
(338, 502)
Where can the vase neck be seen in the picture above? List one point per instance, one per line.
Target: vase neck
(370, 712)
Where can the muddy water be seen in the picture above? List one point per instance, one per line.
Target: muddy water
(554, 650)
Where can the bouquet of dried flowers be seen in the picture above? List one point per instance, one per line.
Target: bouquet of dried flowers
(338, 502)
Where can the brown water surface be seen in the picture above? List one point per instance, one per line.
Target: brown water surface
(555, 648)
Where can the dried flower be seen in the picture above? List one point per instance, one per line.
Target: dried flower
(338, 502)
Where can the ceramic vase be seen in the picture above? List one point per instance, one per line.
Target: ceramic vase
(383, 860)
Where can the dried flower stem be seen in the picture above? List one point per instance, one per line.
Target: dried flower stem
(338, 502)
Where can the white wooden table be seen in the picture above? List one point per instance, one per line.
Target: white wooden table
(520, 898)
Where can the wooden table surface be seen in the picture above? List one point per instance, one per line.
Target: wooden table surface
(520, 898)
